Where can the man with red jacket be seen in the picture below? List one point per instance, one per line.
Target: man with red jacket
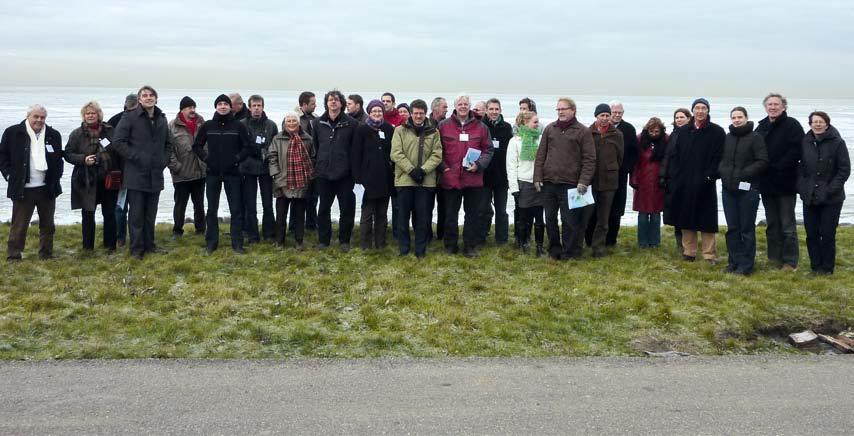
(463, 136)
(391, 115)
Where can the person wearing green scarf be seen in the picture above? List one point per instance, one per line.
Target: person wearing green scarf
(521, 153)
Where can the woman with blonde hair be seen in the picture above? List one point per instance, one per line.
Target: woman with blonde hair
(93, 180)
(521, 152)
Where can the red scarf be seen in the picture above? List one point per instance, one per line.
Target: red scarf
(191, 124)
(300, 168)
(602, 129)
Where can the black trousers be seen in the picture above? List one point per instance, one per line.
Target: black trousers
(531, 217)
(142, 213)
(297, 222)
(183, 192)
(618, 208)
(820, 223)
(439, 197)
(250, 186)
(233, 194)
(374, 222)
(311, 207)
(470, 199)
(566, 241)
(22, 212)
(495, 197)
(414, 201)
(329, 191)
(107, 199)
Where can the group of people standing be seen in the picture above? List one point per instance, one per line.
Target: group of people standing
(413, 157)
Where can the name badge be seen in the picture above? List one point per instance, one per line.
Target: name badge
(495, 144)
(49, 148)
(382, 134)
(464, 137)
(259, 140)
(105, 142)
(744, 186)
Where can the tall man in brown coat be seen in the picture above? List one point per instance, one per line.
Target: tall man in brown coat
(565, 159)
(606, 181)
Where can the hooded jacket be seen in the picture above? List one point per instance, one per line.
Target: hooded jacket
(222, 143)
(825, 166)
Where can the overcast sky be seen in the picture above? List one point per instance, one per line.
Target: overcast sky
(723, 48)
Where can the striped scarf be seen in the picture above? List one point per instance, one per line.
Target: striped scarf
(300, 169)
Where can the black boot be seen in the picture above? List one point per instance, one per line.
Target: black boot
(540, 250)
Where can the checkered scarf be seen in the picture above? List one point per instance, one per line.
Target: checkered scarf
(300, 168)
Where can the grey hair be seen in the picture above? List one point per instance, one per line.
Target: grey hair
(36, 107)
(235, 97)
(774, 94)
(460, 97)
(290, 114)
(613, 103)
(436, 102)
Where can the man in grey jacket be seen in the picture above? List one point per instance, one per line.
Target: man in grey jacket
(255, 174)
(144, 141)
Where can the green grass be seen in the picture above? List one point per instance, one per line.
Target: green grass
(274, 303)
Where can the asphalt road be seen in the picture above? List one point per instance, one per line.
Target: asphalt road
(739, 395)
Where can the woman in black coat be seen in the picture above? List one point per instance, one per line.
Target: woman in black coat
(89, 151)
(681, 117)
(697, 152)
(374, 171)
(823, 170)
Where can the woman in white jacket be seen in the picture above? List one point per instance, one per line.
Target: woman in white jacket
(521, 152)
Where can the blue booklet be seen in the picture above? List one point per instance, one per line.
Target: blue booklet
(472, 155)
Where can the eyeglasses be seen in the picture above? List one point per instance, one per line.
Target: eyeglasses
(561, 109)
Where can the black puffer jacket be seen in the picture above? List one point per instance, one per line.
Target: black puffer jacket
(744, 157)
(145, 145)
(15, 160)
(334, 142)
(495, 175)
(261, 133)
(783, 140)
(824, 168)
(227, 145)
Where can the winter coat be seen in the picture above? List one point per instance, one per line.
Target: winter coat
(334, 145)
(222, 143)
(185, 165)
(648, 194)
(630, 146)
(783, 140)
(15, 160)
(412, 147)
(145, 145)
(517, 169)
(361, 116)
(242, 114)
(278, 163)
(305, 122)
(500, 132)
(697, 154)
(454, 176)
(85, 180)
(393, 117)
(261, 133)
(824, 168)
(372, 154)
(609, 158)
(744, 157)
(565, 156)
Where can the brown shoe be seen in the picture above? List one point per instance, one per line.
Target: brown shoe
(789, 268)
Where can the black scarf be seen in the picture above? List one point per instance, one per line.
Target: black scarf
(659, 145)
(741, 131)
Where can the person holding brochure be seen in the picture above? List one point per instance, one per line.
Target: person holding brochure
(566, 158)
(466, 152)
(609, 158)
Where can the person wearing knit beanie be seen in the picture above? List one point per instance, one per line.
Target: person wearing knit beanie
(602, 108)
(186, 102)
(222, 98)
(700, 101)
(374, 103)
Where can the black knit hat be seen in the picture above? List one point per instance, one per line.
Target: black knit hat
(700, 101)
(186, 102)
(602, 108)
(222, 97)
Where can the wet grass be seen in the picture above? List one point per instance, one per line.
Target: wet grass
(274, 303)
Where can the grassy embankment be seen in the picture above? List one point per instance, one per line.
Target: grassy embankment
(274, 303)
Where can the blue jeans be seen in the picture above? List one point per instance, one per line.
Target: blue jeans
(233, 194)
(649, 229)
(122, 220)
(740, 211)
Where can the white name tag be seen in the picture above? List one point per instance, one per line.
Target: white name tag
(259, 140)
(49, 148)
(744, 186)
(105, 142)
(464, 137)
(495, 144)
(382, 134)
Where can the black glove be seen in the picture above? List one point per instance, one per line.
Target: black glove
(662, 182)
(417, 175)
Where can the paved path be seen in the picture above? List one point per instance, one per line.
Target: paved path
(742, 395)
